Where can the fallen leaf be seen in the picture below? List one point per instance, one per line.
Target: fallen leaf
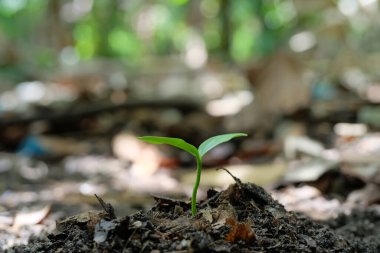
(239, 231)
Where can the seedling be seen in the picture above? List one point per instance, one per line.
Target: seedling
(199, 153)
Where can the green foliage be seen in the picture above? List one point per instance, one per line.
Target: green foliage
(132, 30)
(124, 43)
(206, 146)
(86, 39)
(212, 142)
(176, 142)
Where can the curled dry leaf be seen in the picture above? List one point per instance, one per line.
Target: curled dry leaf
(239, 231)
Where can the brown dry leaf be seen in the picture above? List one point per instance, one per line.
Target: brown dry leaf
(239, 231)
(222, 213)
(217, 217)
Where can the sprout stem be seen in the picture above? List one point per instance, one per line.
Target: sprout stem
(196, 185)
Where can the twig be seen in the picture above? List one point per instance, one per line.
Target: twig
(107, 207)
(237, 180)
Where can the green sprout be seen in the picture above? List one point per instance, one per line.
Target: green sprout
(199, 153)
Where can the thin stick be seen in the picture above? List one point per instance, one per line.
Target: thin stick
(107, 207)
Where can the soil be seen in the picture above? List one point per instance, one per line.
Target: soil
(243, 218)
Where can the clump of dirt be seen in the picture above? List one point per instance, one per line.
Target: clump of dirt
(243, 218)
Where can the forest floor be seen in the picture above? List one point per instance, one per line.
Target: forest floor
(242, 218)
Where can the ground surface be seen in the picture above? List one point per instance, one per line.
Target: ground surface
(243, 218)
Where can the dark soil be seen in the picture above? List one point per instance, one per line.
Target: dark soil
(243, 218)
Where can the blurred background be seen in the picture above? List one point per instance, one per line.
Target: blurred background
(80, 80)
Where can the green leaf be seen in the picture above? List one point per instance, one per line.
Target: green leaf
(176, 142)
(212, 142)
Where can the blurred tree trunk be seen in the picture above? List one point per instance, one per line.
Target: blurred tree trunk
(107, 16)
(58, 35)
(226, 28)
(194, 15)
